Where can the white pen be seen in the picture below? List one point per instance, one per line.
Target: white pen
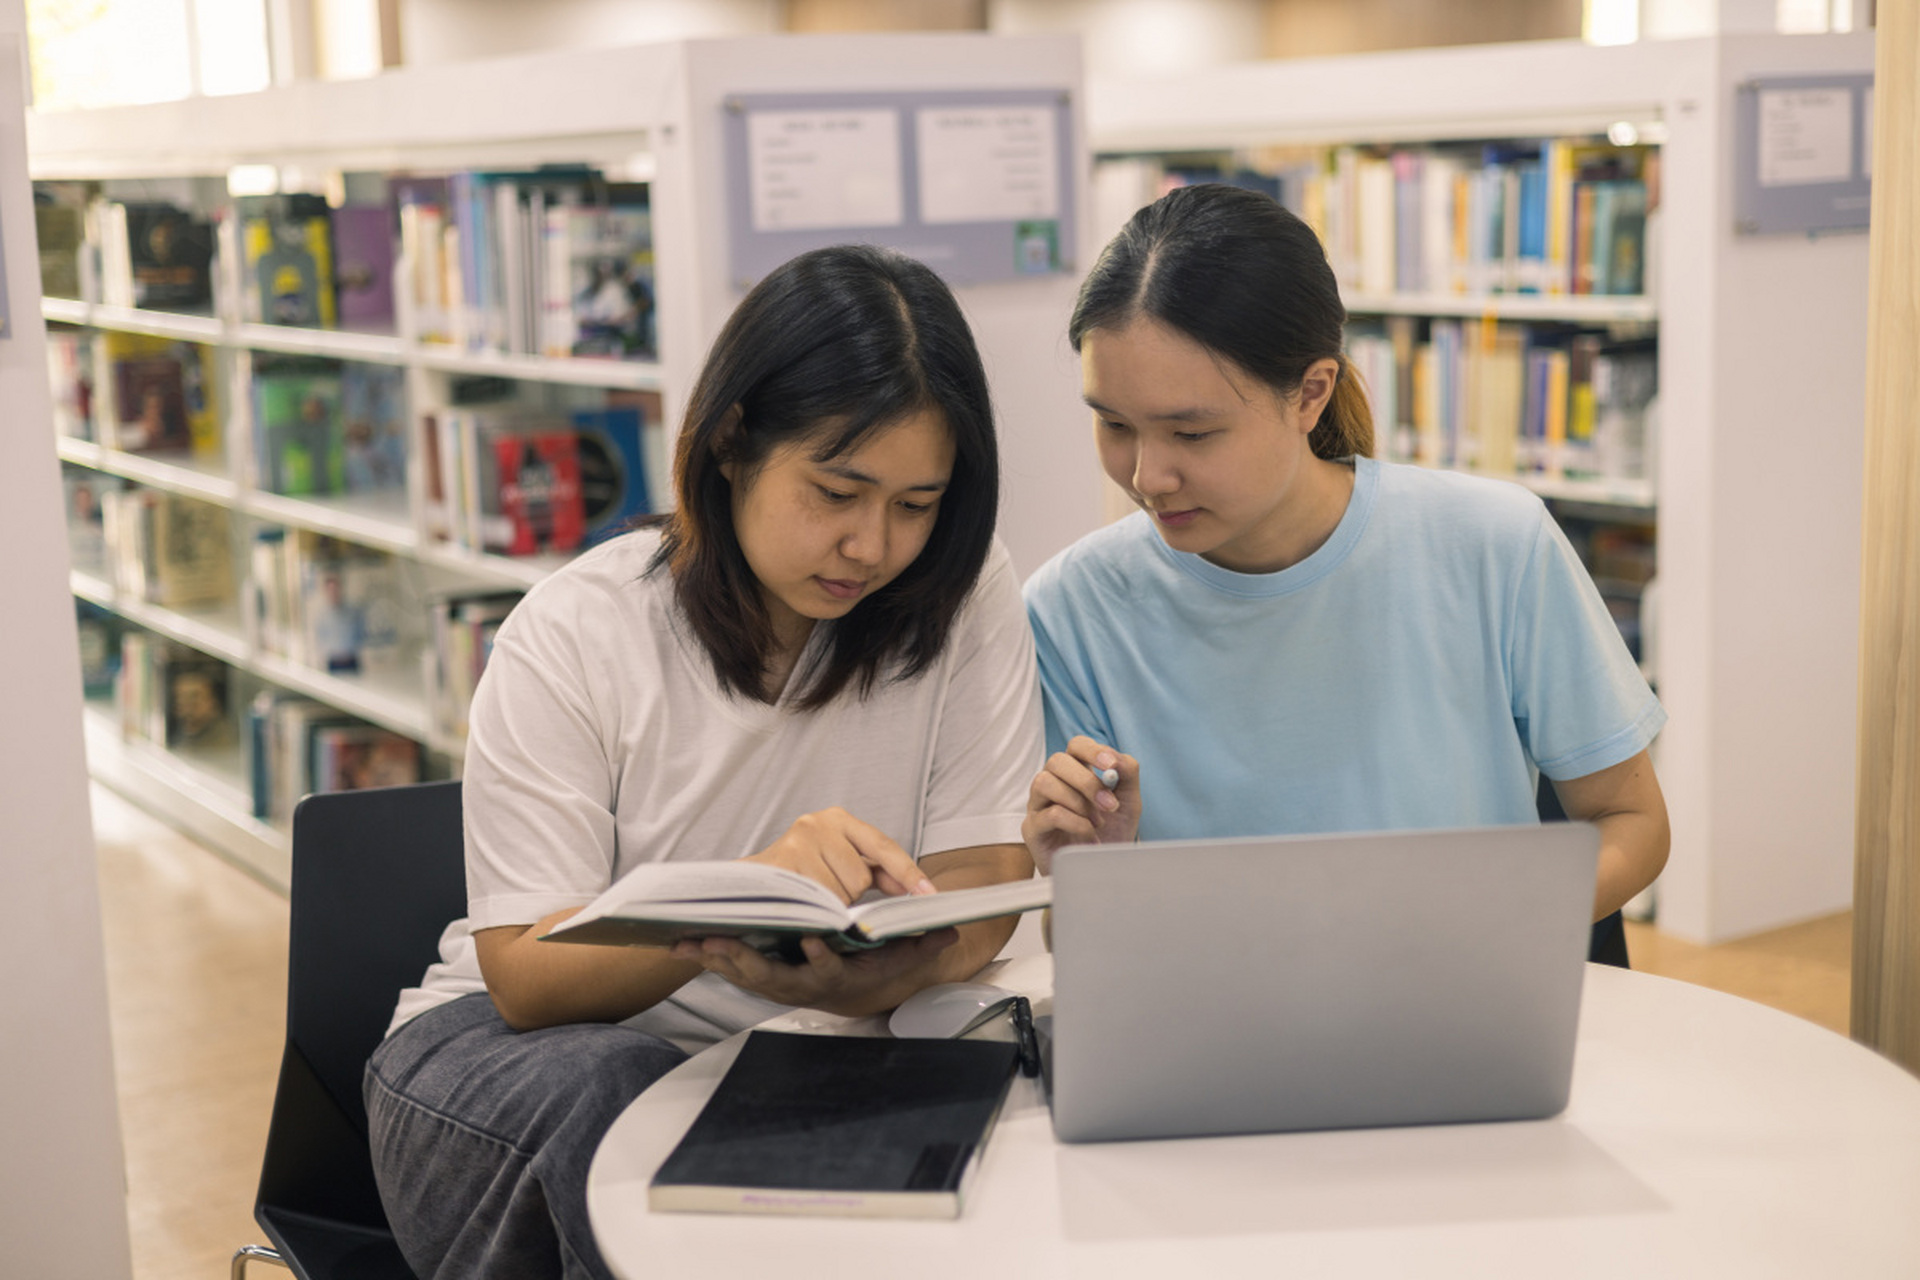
(1109, 778)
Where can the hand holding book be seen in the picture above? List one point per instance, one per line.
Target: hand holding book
(809, 972)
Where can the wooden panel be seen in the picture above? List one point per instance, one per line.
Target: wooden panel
(886, 15)
(1308, 28)
(1886, 949)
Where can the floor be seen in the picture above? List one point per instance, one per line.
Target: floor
(196, 986)
(196, 955)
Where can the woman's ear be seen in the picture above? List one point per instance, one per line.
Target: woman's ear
(1316, 389)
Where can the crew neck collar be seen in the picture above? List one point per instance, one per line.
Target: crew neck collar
(1324, 560)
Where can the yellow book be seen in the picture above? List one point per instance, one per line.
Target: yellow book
(1426, 407)
(1559, 158)
(1556, 425)
(1500, 387)
(160, 395)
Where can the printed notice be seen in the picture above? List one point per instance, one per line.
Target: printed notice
(1806, 136)
(988, 164)
(823, 170)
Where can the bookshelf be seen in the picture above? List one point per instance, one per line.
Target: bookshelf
(648, 114)
(1756, 481)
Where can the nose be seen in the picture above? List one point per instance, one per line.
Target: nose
(865, 541)
(1154, 473)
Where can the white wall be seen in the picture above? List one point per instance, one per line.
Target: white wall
(62, 1176)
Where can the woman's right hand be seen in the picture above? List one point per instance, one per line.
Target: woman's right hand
(846, 855)
(1068, 803)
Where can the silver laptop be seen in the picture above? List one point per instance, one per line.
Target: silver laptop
(1317, 982)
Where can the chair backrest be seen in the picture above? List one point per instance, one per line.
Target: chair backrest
(377, 876)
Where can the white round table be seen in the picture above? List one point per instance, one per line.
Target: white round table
(1706, 1136)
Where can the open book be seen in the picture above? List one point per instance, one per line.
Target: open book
(770, 908)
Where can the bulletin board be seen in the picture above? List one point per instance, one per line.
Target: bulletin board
(979, 185)
(1803, 154)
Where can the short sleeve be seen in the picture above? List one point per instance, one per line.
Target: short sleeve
(537, 789)
(987, 740)
(1579, 701)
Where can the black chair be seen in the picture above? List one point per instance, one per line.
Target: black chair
(1609, 942)
(377, 875)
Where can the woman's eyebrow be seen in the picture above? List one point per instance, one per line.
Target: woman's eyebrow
(853, 475)
(1196, 413)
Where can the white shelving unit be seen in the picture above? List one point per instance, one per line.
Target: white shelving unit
(64, 1164)
(1574, 309)
(1758, 474)
(652, 112)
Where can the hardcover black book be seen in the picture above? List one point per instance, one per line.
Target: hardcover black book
(846, 1126)
(171, 257)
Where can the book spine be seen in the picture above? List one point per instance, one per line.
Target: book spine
(816, 1204)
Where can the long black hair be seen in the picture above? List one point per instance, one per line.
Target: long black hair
(1235, 272)
(830, 348)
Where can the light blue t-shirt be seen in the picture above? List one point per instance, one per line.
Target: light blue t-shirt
(1421, 669)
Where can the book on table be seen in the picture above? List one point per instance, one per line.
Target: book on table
(770, 908)
(842, 1126)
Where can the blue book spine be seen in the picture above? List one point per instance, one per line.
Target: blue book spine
(1533, 228)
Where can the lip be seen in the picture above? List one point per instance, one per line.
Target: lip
(842, 588)
(1177, 519)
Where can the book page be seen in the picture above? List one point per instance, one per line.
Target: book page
(893, 917)
(686, 888)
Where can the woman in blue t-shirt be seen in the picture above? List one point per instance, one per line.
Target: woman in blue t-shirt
(1291, 636)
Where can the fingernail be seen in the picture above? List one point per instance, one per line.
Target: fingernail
(1107, 800)
(925, 887)
(1106, 760)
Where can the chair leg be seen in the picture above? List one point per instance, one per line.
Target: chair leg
(248, 1251)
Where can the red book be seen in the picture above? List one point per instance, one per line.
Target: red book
(537, 488)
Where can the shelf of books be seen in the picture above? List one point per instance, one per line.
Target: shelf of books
(1545, 284)
(342, 369)
(315, 448)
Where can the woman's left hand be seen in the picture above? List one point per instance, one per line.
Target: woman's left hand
(853, 983)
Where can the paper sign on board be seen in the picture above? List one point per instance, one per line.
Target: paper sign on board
(987, 164)
(811, 170)
(1806, 136)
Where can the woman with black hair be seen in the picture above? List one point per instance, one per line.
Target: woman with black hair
(1291, 636)
(819, 662)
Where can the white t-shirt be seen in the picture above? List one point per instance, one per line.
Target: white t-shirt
(599, 739)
